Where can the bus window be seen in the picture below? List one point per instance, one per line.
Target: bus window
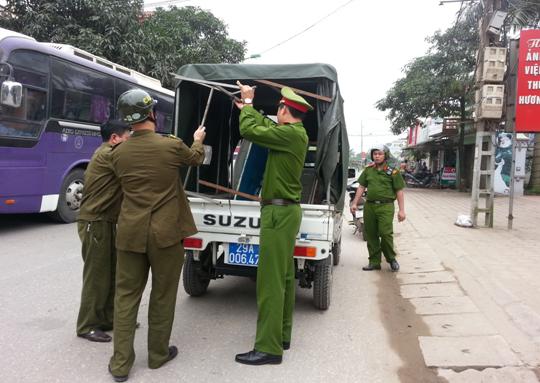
(36, 102)
(29, 68)
(35, 61)
(164, 110)
(80, 94)
(32, 109)
(30, 78)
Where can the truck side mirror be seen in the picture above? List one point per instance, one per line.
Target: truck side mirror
(351, 173)
(207, 154)
(11, 94)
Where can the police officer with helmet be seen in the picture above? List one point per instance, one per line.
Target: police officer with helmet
(384, 185)
(154, 218)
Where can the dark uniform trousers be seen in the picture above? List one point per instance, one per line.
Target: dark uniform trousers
(379, 230)
(275, 277)
(132, 274)
(99, 256)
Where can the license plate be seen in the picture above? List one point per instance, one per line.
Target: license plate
(244, 254)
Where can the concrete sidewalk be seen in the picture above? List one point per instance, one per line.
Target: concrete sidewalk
(477, 290)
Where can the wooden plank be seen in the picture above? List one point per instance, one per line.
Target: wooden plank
(298, 91)
(232, 191)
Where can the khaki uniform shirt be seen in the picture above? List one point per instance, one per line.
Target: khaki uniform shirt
(154, 200)
(102, 194)
(381, 184)
(288, 147)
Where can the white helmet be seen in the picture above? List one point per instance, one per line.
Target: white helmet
(382, 148)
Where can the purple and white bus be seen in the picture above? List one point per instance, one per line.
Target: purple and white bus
(53, 98)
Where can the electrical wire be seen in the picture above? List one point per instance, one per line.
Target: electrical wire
(308, 28)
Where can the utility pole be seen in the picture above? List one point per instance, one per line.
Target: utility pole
(361, 137)
(488, 113)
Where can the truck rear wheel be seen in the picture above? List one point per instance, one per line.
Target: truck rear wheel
(336, 252)
(195, 284)
(322, 284)
(70, 197)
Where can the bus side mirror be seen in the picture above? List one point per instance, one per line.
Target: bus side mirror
(352, 173)
(11, 94)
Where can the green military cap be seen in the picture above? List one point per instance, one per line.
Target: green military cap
(294, 101)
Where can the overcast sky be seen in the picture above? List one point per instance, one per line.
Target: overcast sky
(368, 42)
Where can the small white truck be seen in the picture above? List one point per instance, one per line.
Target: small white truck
(223, 193)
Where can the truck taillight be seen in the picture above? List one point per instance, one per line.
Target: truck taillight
(302, 251)
(193, 243)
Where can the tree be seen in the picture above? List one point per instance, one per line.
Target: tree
(439, 83)
(116, 29)
(180, 36)
(107, 28)
(523, 13)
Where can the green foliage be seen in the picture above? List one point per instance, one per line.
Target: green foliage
(180, 36)
(107, 28)
(119, 31)
(439, 82)
(524, 13)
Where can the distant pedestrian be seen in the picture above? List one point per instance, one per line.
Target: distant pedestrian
(154, 218)
(96, 223)
(384, 184)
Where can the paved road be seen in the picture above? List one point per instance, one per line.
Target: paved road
(369, 334)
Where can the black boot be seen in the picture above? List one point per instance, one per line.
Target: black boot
(256, 358)
(394, 265)
(118, 378)
(371, 267)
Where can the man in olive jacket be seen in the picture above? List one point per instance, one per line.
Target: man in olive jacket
(96, 224)
(154, 218)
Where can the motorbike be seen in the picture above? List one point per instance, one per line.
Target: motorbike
(358, 219)
(422, 179)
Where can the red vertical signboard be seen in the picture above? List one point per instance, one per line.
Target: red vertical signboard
(528, 83)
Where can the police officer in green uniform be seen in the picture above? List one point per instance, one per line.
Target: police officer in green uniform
(384, 184)
(96, 224)
(154, 218)
(280, 219)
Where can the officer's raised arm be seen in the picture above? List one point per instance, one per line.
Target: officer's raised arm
(194, 155)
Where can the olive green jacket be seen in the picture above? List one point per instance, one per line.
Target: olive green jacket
(102, 194)
(381, 184)
(154, 200)
(288, 146)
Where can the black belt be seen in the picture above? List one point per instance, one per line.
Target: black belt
(380, 201)
(278, 202)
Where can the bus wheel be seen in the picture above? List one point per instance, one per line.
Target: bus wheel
(69, 201)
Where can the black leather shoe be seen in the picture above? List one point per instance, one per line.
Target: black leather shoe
(118, 378)
(173, 351)
(96, 336)
(394, 265)
(371, 267)
(286, 345)
(256, 358)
